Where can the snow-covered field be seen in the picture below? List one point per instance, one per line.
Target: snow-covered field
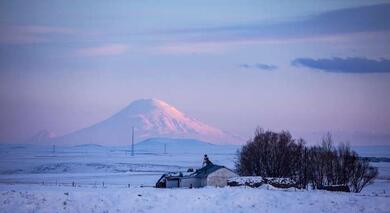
(92, 164)
(36, 179)
(27, 198)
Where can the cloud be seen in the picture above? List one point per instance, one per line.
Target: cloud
(104, 50)
(189, 48)
(31, 34)
(36, 29)
(365, 23)
(327, 26)
(345, 65)
(334, 24)
(259, 66)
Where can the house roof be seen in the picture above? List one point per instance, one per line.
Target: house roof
(206, 170)
(199, 173)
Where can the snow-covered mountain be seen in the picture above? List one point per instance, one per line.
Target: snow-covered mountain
(41, 137)
(151, 118)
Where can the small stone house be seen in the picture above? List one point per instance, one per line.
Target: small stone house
(209, 175)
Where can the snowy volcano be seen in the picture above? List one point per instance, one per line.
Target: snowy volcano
(151, 118)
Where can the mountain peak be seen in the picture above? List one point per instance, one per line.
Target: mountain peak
(151, 105)
(151, 118)
(148, 102)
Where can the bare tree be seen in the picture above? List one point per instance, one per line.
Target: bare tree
(271, 154)
(363, 174)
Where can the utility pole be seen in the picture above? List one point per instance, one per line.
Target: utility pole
(132, 141)
(165, 148)
(54, 148)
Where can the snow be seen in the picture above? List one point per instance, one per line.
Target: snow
(42, 136)
(90, 164)
(32, 198)
(257, 181)
(271, 180)
(246, 180)
(151, 118)
(34, 179)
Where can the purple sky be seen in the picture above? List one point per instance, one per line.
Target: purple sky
(306, 66)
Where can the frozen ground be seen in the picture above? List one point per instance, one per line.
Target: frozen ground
(36, 198)
(36, 179)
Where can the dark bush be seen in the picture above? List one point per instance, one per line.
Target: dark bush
(269, 154)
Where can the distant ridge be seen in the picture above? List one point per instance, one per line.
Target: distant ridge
(89, 145)
(173, 141)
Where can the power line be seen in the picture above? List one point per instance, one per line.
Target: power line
(132, 142)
